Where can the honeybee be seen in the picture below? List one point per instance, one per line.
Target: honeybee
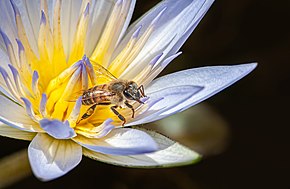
(116, 92)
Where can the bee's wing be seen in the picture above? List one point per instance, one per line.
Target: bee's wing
(102, 74)
(74, 96)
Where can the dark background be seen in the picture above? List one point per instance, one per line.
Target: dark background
(256, 108)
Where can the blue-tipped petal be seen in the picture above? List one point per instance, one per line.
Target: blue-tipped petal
(15, 9)
(35, 78)
(137, 32)
(8, 82)
(43, 18)
(42, 106)
(20, 46)
(74, 115)
(85, 79)
(57, 129)
(169, 59)
(29, 110)
(106, 128)
(157, 18)
(17, 79)
(5, 39)
(87, 10)
(90, 70)
(155, 59)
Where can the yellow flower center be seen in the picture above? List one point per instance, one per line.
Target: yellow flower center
(50, 81)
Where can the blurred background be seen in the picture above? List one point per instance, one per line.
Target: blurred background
(243, 132)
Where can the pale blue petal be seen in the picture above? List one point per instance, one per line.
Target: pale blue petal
(57, 129)
(51, 158)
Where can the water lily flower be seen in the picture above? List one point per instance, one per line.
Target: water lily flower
(49, 51)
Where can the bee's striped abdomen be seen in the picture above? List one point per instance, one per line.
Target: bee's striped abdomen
(96, 95)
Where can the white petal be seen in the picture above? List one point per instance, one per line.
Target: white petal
(121, 141)
(213, 79)
(50, 158)
(11, 132)
(15, 116)
(175, 25)
(170, 154)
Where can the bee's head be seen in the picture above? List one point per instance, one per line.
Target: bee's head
(132, 91)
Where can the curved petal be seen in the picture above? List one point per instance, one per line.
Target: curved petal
(170, 154)
(15, 116)
(163, 100)
(121, 141)
(213, 79)
(176, 23)
(51, 158)
(57, 129)
(11, 132)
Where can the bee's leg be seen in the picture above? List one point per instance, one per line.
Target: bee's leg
(131, 107)
(89, 112)
(113, 108)
(141, 89)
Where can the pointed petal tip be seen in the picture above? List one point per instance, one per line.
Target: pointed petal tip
(108, 121)
(156, 19)
(252, 65)
(119, 2)
(5, 38)
(247, 67)
(43, 18)
(20, 45)
(137, 32)
(15, 8)
(155, 59)
(87, 10)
